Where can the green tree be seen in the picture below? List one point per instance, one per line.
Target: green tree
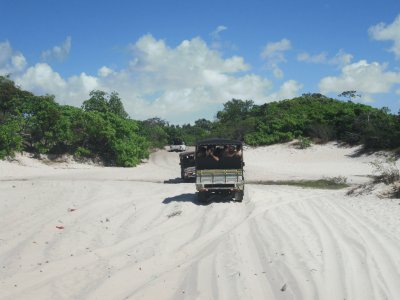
(10, 137)
(10, 97)
(44, 127)
(204, 124)
(100, 101)
(234, 110)
(115, 105)
(97, 102)
(39, 124)
(154, 131)
(350, 95)
(235, 120)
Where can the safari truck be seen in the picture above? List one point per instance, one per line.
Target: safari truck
(219, 168)
(188, 169)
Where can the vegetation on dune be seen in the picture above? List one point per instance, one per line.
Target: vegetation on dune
(102, 129)
(309, 118)
(324, 119)
(37, 124)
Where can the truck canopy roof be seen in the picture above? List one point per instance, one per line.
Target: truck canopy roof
(187, 153)
(218, 141)
(178, 142)
(187, 159)
(219, 160)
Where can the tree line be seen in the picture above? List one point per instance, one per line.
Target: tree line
(99, 129)
(311, 115)
(102, 129)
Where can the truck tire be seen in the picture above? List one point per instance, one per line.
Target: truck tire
(239, 196)
(202, 196)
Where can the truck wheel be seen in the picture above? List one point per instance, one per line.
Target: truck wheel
(239, 196)
(202, 196)
(182, 174)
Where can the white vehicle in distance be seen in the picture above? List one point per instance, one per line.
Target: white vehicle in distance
(177, 145)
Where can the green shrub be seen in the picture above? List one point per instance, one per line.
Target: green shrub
(303, 142)
(10, 138)
(81, 152)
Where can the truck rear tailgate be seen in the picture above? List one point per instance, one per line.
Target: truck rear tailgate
(219, 178)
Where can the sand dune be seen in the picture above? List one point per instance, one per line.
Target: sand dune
(72, 231)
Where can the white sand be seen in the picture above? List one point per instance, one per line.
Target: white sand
(138, 234)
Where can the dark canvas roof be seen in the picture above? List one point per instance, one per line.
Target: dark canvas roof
(186, 153)
(218, 141)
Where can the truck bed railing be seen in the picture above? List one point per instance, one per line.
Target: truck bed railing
(222, 176)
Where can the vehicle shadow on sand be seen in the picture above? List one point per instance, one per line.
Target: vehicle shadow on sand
(178, 180)
(192, 197)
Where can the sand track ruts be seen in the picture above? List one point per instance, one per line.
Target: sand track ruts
(132, 236)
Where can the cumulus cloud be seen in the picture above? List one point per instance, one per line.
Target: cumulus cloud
(341, 58)
(390, 32)
(18, 61)
(366, 78)
(191, 77)
(274, 54)
(58, 53)
(191, 64)
(42, 79)
(288, 90)
(179, 84)
(187, 104)
(10, 61)
(191, 56)
(104, 71)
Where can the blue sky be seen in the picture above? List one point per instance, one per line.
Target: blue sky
(181, 60)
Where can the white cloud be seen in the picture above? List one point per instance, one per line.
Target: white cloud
(316, 59)
(341, 58)
(42, 79)
(366, 78)
(217, 31)
(104, 71)
(179, 84)
(187, 79)
(81, 85)
(391, 32)
(275, 50)
(274, 54)
(18, 61)
(10, 61)
(188, 65)
(189, 103)
(58, 53)
(191, 55)
(288, 90)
